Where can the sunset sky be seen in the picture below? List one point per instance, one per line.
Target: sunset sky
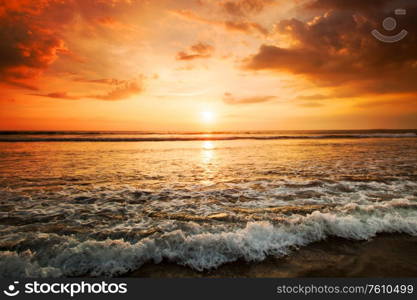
(205, 65)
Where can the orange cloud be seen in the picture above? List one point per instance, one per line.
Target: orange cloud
(58, 95)
(32, 33)
(241, 8)
(26, 47)
(228, 98)
(124, 90)
(234, 26)
(199, 50)
(121, 92)
(109, 81)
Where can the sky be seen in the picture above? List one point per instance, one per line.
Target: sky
(206, 65)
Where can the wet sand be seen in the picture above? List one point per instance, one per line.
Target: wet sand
(384, 256)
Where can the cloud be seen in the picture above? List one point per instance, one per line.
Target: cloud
(124, 89)
(108, 81)
(32, 33)
(314, 97)
(241, 26)
(335, 48)
(58, 95)
(241, 8)
(199, 50)
(374, 5)
(228, 98)
(26, 48)
(18, 84)
(121, 92)
(245, 27)
(387, 103)
(313, 100)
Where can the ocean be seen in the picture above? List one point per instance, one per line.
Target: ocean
(115, 203)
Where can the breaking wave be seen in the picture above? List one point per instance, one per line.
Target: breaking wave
(200, 249)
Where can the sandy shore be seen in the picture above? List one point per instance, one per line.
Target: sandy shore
(384, 256)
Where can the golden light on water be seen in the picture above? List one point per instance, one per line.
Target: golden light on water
(208, 145)
(208, 162)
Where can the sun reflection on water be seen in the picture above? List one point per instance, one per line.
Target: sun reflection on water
(208, 145)
(207, 152)
(208, 161)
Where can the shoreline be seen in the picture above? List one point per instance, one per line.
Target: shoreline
(386, 255)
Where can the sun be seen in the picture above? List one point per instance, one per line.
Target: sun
(207, 117)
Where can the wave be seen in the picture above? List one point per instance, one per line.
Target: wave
(200, 249)
(191, 137)
(66, 132)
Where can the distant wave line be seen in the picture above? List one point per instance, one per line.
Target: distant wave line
(207, 138)
(236, 133)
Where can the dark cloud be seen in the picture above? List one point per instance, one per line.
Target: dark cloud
(228, 98)
(335, 48)
(199, 50)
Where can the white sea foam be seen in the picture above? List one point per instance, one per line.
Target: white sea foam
(203, 250)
